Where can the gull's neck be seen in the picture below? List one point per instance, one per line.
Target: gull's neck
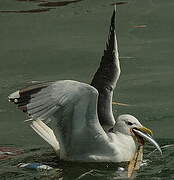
(125, 145)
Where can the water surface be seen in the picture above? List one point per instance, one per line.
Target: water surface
(52, 40)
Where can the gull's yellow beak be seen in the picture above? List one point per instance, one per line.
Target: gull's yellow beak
(146, 130)
(142, 134)
(143, 130)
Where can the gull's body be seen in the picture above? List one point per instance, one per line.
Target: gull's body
(83, 127)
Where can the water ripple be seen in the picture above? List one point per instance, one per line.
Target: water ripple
(154, 166)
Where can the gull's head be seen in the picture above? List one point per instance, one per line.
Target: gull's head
(125, 123)
(130, 126)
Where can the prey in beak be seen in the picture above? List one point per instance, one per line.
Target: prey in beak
(143, 134)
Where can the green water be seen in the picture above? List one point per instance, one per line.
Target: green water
(67, 42)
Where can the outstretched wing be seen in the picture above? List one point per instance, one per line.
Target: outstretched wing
(106, 77)
(35, 100)
(72, 106)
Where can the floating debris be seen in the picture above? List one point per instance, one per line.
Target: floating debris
(9, 152)
(58, 3)
(126, 57)
(119, 3)
(135, 163)
(26, 11)
(38, 166)
(120, 104)
(43, 3)
(140, 26)
(32, 0)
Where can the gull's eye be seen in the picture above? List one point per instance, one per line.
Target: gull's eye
(129, 123)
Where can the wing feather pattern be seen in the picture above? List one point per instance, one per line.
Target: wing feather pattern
(36, 100)
(106, 77)
(72, 106)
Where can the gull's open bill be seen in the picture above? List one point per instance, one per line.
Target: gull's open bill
(144, 135)
(141, 135)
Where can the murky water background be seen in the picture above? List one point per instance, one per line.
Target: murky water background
(52, 40)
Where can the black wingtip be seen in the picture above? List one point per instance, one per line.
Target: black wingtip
(113, 18)
(110, 45)
(106, 77)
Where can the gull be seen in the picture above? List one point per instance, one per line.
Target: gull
(76, 118)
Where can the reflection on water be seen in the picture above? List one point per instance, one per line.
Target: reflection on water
(156, 166)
